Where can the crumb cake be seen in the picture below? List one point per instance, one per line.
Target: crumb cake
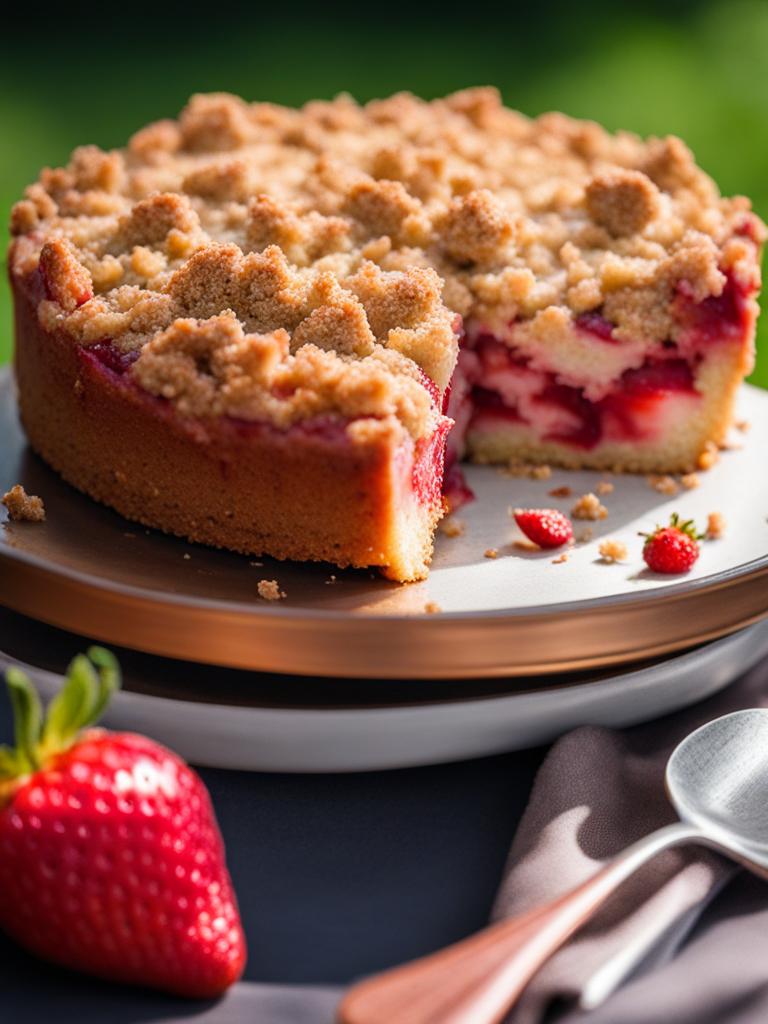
(255, 326)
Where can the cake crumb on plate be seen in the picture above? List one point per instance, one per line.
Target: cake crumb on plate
(270, 590)
(715, 525)
(611, 550)
(452, 527)
(663, 484)
(589, 506)
(23, 507)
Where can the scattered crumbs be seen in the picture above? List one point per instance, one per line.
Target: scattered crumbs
(743, 426)
(605, 487)
(23, 507)
(525, 469)
(560, 559)
(131, 536)
(709, 456)
(257, 565)
(523, 544)
(613, 551)
(584, 536)
(715, 525)
(186, 556)
(589, 506)
(690, 481)
(491, 553)
(432, 608)
(663, 484)
(452, 527)
(331, 579)
(561, 492)
(270, 590)
(515, 468)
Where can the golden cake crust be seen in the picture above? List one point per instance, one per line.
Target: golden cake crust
(250, 490)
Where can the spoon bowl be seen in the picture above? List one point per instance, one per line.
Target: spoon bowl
(717, 780)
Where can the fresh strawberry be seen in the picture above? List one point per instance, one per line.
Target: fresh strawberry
(672, 549)
(111, 861)
(544, 526)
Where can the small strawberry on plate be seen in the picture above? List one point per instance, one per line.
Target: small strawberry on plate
(111, 861)
(672, 549)
(546, 527)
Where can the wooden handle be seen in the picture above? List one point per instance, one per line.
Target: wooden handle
(476, 981)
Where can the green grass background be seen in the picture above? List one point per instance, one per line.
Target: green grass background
(699, 70)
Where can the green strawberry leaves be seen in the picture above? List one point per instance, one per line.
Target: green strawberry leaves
(88, 687)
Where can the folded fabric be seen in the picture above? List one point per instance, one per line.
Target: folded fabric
(598, 791)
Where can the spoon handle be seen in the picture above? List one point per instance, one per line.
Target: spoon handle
(477, 980)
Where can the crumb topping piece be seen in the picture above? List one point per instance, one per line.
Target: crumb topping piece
(623, 202)
(350, 227)
(715, 525)
(589, 506)
(23, 507)
(611, 550)
(270, 590)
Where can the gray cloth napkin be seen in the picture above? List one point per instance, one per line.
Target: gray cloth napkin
(598, 791)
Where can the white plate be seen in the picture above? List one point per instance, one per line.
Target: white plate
(90, 571)
(362, 738)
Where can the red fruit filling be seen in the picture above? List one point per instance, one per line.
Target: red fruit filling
(595, 324)
(110, 356)
(724, 317)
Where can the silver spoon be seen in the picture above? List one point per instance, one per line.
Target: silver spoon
(717, 780)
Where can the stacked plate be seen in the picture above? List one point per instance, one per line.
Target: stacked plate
(350, 672)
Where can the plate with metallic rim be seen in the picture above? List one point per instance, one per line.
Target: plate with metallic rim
(523, 613)
(231, 718)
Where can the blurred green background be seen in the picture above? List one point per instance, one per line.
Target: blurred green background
(697, 69)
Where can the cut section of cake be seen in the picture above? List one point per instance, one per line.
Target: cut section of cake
(243, 328)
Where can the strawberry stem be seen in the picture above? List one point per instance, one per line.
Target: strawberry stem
(27, 716)
(87, 689)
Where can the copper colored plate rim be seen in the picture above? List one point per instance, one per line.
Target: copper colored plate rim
(592, 634)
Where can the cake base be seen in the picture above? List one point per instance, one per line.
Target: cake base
(231, 484)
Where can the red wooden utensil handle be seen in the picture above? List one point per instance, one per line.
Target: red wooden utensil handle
(476, 981)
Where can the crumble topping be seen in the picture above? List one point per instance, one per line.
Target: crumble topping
(623, 202)
(23, 507)
(358, 228)
(690, 481)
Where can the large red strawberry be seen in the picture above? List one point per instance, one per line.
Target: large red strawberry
(111, 861)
